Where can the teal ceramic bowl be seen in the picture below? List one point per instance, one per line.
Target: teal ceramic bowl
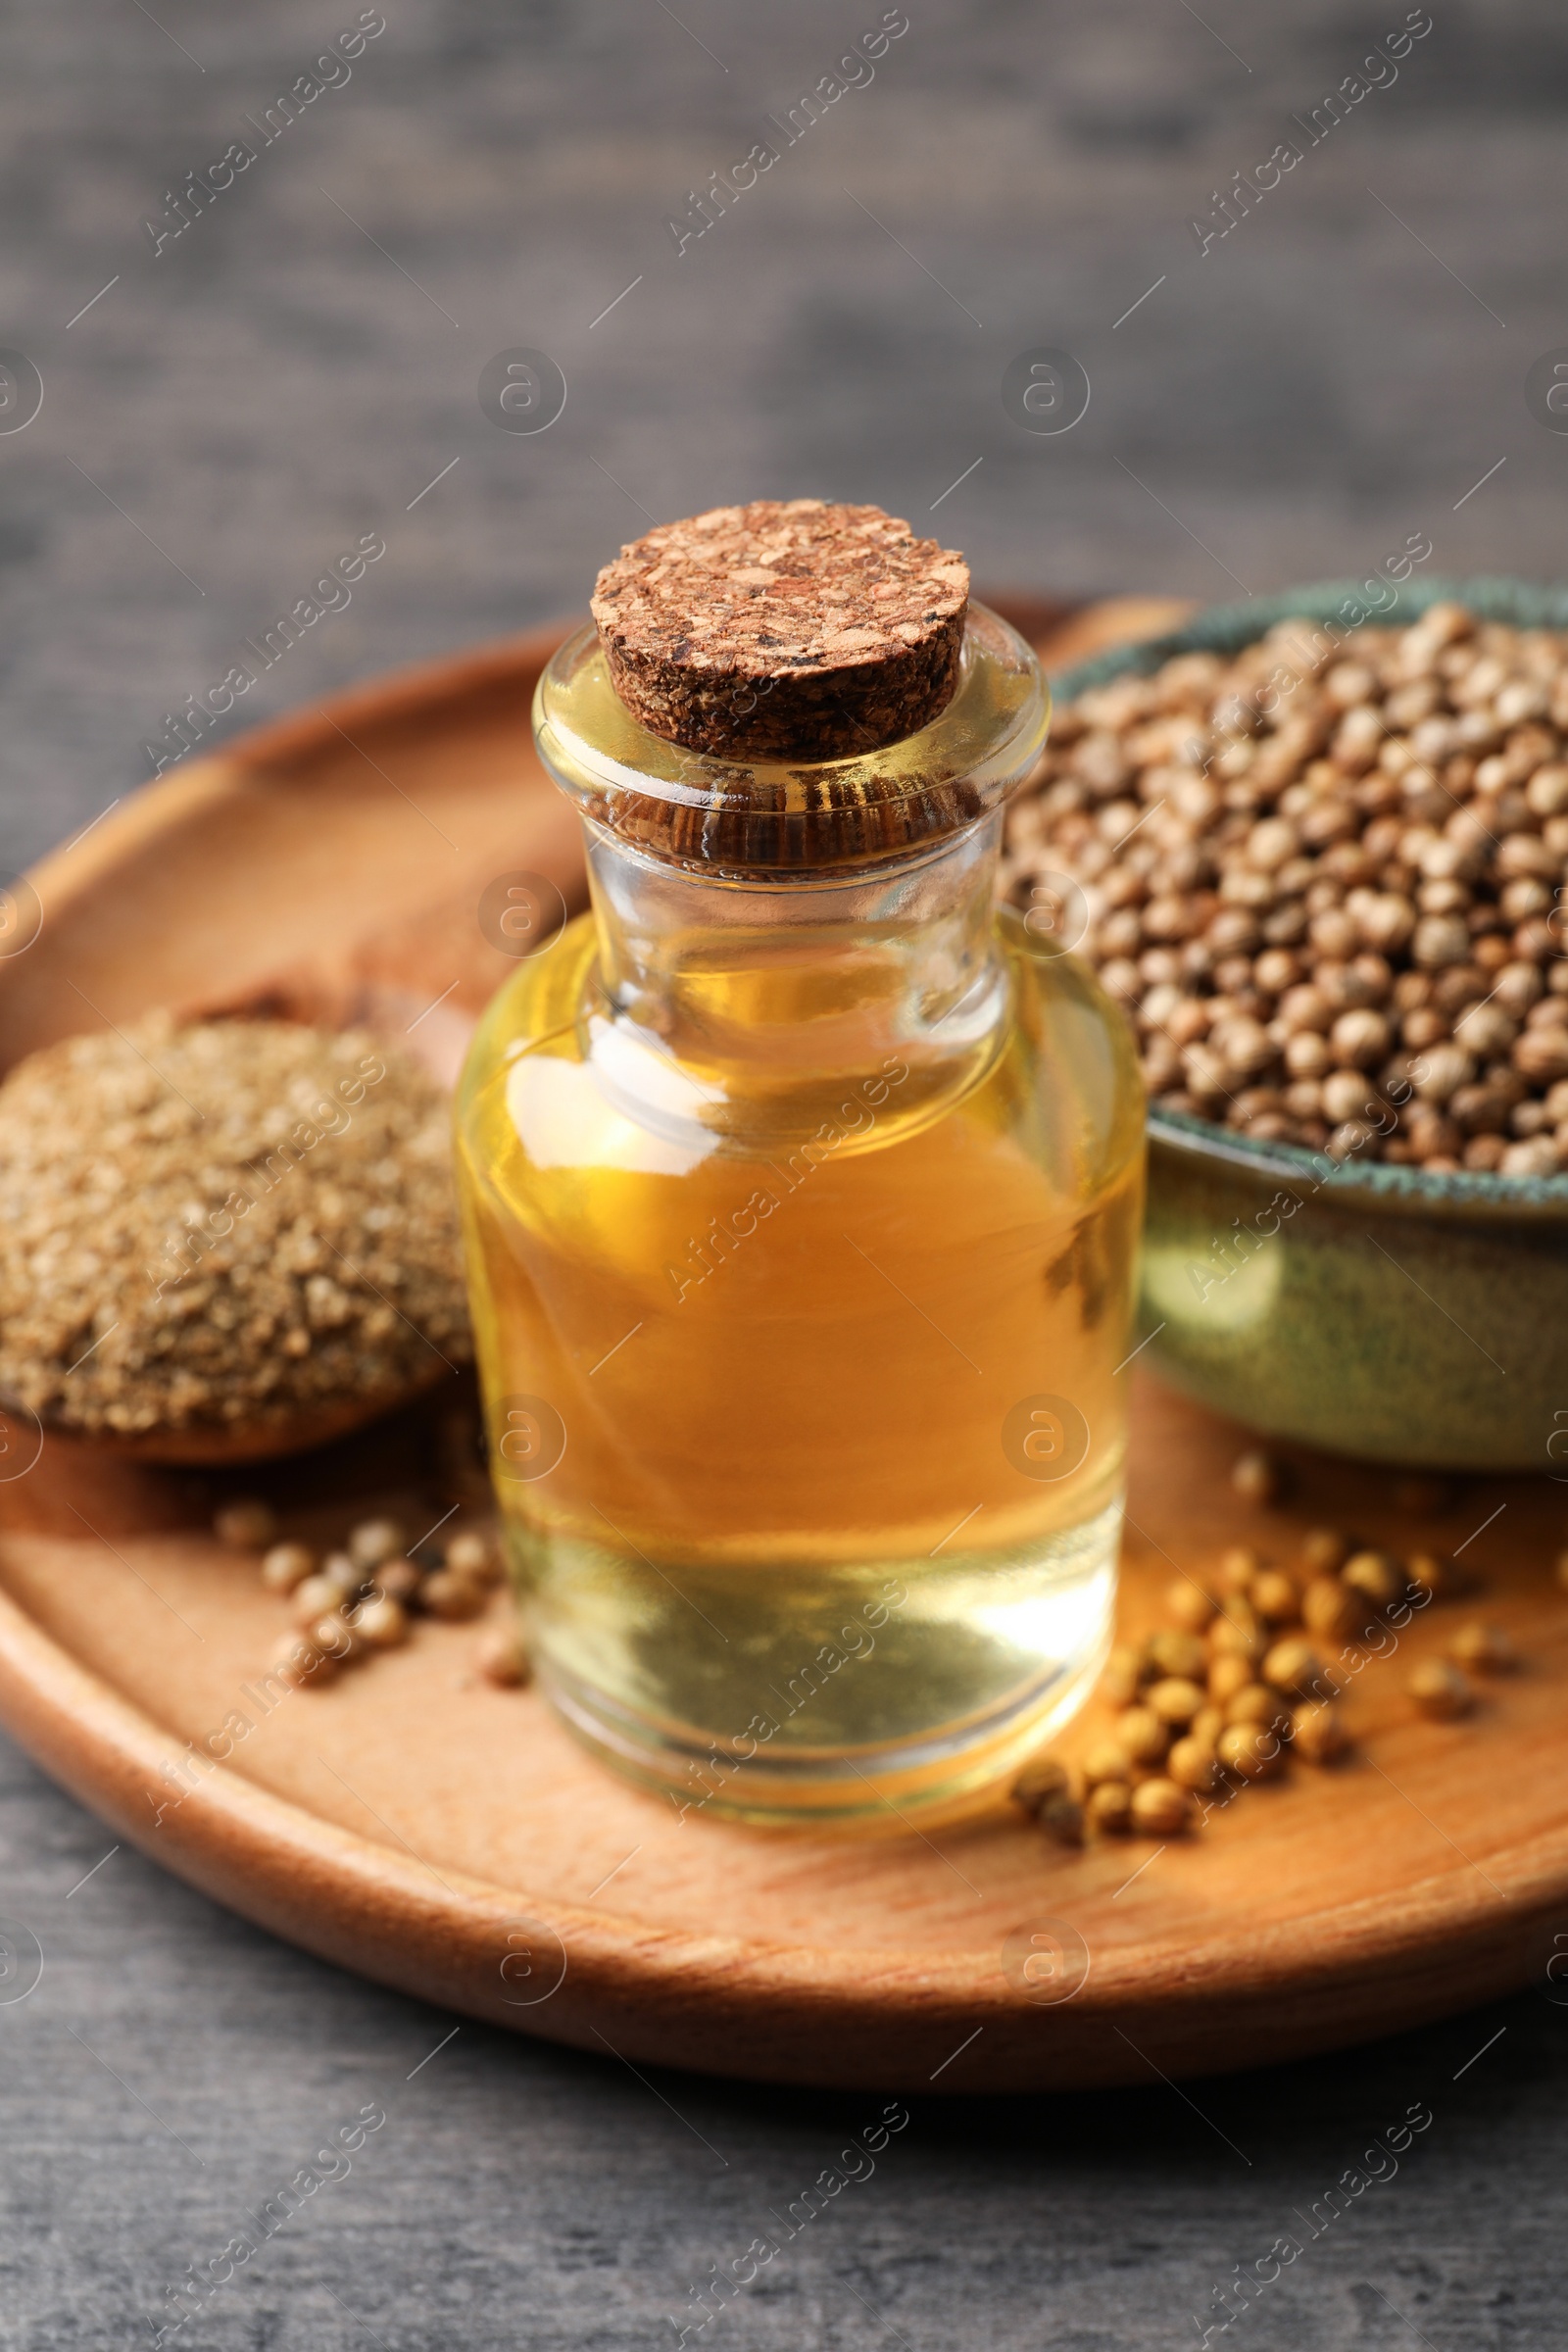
(1375, 1311)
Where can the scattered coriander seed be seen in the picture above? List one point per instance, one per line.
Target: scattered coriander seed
(1107, 1761)
(1256, 1477)
(1292, 1666)
(1325, 1550)
(1331, 1612)
(1440, 1691)
(340, 1568)
(1483, 1649)
(1256, 1704)
(1189, 1604)
(1206, 1725)
(1318, 1732)
(1124, 1671)
(474, 1556)
(398, 1580)
(303, 1664)
(451, 1597)
(1238, 1566)
(1435, 1577)
(502, 1658)
(1374, 1576)
(1276, 1596)
(313, 1596)
(333, 1634)
(373, 1540)
(1176, 1654)
(1227, 1675)
(246, 1525)
(1234, 1635)
(1175, 1701)
(1142, 1735)
(287, 1565)
(1063, 1818)
(1162, 1808)
(1108, 1808)
(1250, 1750)
(1041, 1778)
(1192, 1763)
(380, 1621)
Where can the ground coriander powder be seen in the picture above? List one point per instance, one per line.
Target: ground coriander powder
(223, 1224)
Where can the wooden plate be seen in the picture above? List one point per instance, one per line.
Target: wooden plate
(415, 1824)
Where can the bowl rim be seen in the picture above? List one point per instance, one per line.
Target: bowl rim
(1227, 629)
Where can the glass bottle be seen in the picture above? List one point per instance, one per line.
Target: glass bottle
(801, 1189)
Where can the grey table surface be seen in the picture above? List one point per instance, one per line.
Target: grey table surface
(226, 412)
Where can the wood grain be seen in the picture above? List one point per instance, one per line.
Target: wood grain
(438, 1834)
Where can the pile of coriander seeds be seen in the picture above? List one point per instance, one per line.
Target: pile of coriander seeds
(366, 1594)
(1246, 1675)
(1325, 883)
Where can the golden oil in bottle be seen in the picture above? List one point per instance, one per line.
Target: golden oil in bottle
(802, 1204)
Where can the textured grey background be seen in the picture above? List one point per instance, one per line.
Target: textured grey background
(1333, 376)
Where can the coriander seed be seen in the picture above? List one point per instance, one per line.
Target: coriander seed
(1233, 1636)
(1226, 1675)
(1161, 1808)
(1175, 1701)
(313, 1596)
(451, 1597)
(302, 1663)
(1206, 1725)
(1107, 1761)
(1239, 1566)
(1248, 1749)
(1256, 1477)
(474, 1555)
(380, 1621)
(1108, 1808)
(1330, 1611)
(1276, 1596)
(1176, 1654)
(1318, 1732)
(1374, 1576)
(1440, 1691)
(398, 1580)
(1292, 1665)
(1482, 1649)
(502, 1658)
(1189, 1604)
(1041, 1777)
(1063, 1818)
(1124, 1671)
(1256, 1704)
(332, 1635)
(1433, 1577)
(1192, 1763)
(287, 1565)
(373, 1540)
(340, 1568)
(1141, 1736)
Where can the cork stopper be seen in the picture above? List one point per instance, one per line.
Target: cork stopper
(784, 632)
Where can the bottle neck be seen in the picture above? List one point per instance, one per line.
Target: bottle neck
(761, 1011)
